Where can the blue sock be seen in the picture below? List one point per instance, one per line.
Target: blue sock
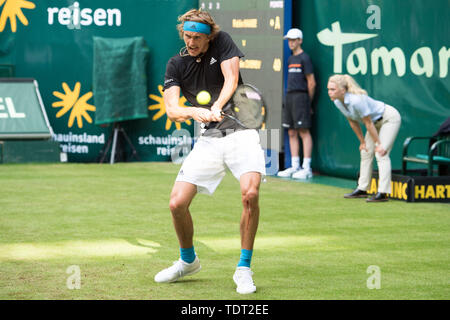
(187, 254)
(246, 258)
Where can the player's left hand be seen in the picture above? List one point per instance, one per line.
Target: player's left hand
(216, 111)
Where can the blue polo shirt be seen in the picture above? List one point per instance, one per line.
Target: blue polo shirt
(358, 106)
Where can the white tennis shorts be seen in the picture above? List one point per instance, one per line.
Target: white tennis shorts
(206, 164)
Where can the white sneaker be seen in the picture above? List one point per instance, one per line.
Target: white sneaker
(178, 270)
(287, 173)
(243, 279)
(303, 174)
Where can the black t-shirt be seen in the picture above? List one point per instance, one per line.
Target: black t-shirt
(298, 67)
(193, 76)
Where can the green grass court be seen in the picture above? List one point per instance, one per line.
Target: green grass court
(113, 222)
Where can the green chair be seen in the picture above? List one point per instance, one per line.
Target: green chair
(438, 153)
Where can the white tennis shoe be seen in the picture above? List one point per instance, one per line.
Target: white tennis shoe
(303, 174)
(287, 173)
(243, 279)
(178, 270)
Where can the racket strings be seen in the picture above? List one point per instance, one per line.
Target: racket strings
(248, 107)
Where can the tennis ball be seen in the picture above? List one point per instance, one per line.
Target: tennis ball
(203, 97)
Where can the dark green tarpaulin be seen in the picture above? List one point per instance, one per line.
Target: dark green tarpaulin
(120, 79)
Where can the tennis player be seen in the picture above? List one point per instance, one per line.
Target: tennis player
(382, 122)
(210, 61)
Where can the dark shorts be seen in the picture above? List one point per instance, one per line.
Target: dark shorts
(297, 111)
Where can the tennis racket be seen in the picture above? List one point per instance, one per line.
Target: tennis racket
(247, 107)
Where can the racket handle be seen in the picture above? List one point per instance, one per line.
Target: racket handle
(227, 106)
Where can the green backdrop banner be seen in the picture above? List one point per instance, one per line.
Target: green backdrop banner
(397, 50)
(53, 43)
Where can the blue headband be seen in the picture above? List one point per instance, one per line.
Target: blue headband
(196, 27)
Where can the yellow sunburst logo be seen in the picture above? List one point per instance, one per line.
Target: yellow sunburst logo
(161, 107)
(12, 10)
(71, 101)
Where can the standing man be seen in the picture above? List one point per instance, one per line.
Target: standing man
(297, 110)
(210, 61)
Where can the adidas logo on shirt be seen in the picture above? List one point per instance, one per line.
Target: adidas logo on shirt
(212, 61)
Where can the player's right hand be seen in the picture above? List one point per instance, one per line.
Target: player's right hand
(202, 115)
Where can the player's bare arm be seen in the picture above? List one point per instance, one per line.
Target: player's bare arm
(374, 134)
(371, 129)
(180, 114)
(359, 134)
(357, 129)
(230, 71)
(311, 80)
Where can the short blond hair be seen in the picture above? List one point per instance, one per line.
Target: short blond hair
(346, 82)
(198, 15)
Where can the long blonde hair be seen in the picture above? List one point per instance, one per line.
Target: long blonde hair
(198, 15)
(346, 82)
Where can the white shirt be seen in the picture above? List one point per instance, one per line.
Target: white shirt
(358, 106)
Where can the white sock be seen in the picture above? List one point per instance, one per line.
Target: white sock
(295, 161)
(307, 163)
